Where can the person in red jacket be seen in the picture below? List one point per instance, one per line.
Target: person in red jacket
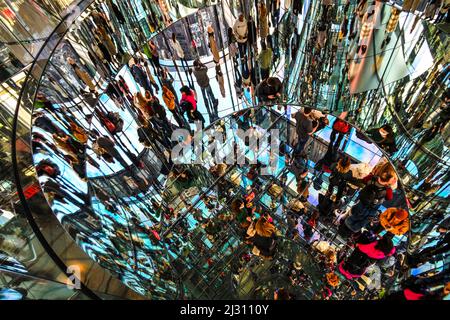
(188, 104)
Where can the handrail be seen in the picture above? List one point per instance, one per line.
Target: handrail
(115, 284)
(29, 76)
(63, 267)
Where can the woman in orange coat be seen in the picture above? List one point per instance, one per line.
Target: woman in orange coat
(395, 220)
(169, 100)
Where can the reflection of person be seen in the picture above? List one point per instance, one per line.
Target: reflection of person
(82, 75)
(340, 173)
(188, 104)
(155, 56)
(240, 29)
(305, 128)
(384, 137)
(340, 129)
(201, 75)
(368, 250)
(169, 100)
(220, 80)
(213, 45)
(265, 237)
(265, 60)
(377, 189)
(269, 89)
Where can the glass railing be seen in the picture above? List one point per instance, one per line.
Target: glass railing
(79, 94)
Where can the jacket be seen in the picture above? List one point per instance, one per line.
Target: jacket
(241, 31)
(178, 51)
(392, 224)
(201, 74)
(265, 58)
(266, 245)
(373, 194)
(169, 98)
(190, 99)
(263, 90)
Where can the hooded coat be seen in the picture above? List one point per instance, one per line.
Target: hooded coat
(213, 45)
(391, 223)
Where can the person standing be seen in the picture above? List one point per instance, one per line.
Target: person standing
(169, 100)
(201, 75)
(265, 60)
(140, 77)
(240, 29)
(178, 53)
(340, 129)
(252, 35)
(155, 109)
(340, 173)
(213, 45)
(188, 104)
(269, 90)
(82, 75)
(167, 81)
(149, 75)
(377, 189)
(155, 56)
(305, 128)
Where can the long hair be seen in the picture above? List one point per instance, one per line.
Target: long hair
(385, 172)
(236, 205)
(264, 228)
(343, 165)
(140, 98)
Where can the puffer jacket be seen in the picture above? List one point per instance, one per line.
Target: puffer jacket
(241, 30)
(169, 98)
(392, 224)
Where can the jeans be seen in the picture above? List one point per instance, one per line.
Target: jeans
(242, 49)
(301, 143)
(209, 94)
(185, 66)
(333, 135)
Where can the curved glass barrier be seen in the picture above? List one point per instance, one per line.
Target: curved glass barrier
(103, 100)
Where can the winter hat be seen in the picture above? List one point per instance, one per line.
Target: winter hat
(210, 29)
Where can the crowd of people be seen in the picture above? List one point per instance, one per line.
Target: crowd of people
(352, 206)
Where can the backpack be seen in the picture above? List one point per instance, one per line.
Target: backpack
(186, 106)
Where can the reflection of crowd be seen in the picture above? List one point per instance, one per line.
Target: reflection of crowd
(130, 237)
